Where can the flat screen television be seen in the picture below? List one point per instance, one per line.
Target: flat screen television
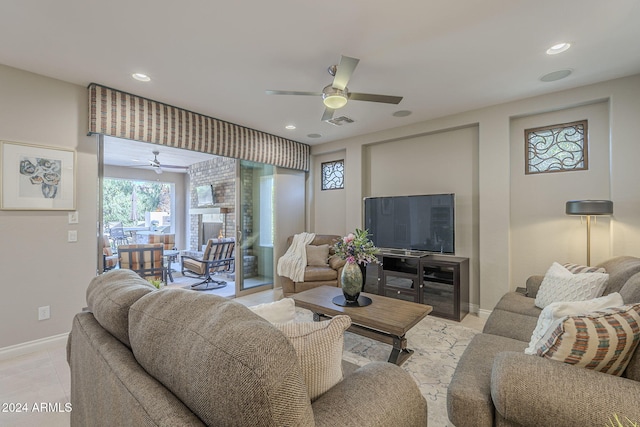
(205, 196)
(412, 223)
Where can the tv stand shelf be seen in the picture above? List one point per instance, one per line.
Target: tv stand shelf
(440, 281)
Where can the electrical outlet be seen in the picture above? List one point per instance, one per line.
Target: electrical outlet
(72, 236)
(44, 312)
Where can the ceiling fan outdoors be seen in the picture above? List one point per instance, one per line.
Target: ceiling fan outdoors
(336, 95)
(157, 167)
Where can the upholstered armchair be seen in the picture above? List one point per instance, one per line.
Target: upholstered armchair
(323, 266)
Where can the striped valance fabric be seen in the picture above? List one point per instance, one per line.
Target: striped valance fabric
(122, 115)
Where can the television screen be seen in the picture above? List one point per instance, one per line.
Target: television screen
(420, 223)
(204, 194)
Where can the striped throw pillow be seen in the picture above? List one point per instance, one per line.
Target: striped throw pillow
(603, 340)
(577, 268)
(319, 348)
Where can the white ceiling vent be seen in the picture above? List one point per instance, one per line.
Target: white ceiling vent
(339, 121)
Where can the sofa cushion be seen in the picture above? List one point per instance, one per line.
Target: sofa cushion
(558, 310)
(603, 340)
(281, 311)
(469, 393)
(630, 292)
(620, 269)
(227, 364)
(518, 303)
(109, 297)
(559, 284)
(313, 273)
(318, 255)
(319, 347)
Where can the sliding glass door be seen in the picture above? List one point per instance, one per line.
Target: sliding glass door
(254, 227)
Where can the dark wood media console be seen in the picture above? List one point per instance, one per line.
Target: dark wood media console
(440, 281)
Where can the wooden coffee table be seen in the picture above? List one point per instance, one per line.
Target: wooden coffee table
(386, 319)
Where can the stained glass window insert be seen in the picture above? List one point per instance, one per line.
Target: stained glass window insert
(333, 175)
(556, 148)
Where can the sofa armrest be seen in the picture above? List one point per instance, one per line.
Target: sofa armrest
(533, 284)
(533, 391)
(376, 395)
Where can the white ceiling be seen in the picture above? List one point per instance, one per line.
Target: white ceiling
(218, 58)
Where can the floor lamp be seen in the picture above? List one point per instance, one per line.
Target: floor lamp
(589, 208)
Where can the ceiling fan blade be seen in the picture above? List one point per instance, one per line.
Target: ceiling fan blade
(174, 166)
(344, 71)
(291, 92)
(386, 99)
(328, 114)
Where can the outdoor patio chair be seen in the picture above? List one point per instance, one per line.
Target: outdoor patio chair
(109, 260)
(217, 258)
(144, 259)
(117, 235)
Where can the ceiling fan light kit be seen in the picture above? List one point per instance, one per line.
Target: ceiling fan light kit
(336, 95)
(334, 98)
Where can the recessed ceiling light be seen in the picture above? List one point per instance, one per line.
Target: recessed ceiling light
(402, 113)
(558, 48)
(555, 75)
(290, 127)
(141, 77)
(314, 135)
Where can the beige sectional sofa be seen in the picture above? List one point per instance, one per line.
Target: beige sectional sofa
(496, 384)
(174, 357)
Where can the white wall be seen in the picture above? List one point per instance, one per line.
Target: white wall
(540, 230)
(38, 266)
(331, 221)
(496, 251)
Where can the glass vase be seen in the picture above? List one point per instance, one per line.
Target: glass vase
(351, 279)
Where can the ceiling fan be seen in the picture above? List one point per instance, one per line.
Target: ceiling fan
(336, 94)
(157, 167)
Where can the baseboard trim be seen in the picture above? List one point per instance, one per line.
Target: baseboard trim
(33, 346)
(484, 314)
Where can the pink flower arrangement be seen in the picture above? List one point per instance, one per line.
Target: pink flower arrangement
(356, 248)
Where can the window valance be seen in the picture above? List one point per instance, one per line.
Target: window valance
(123, 115)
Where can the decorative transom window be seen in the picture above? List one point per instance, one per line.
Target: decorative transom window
(556, 148)
(333, 175)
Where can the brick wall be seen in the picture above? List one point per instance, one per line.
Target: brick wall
(221, 173)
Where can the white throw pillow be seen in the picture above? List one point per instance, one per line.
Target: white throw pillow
(282, 311)
(558, 310)
(559, 284)
(319, 347)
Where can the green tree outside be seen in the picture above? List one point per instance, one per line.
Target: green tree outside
(119, 198)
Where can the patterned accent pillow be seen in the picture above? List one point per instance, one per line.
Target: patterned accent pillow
(319, 348)
(603, 340)
(559, 284)
(577, 268)
(558, 310)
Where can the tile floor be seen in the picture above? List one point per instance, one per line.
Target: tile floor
(43, 377)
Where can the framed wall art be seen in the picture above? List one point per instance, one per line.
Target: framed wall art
(36, 177)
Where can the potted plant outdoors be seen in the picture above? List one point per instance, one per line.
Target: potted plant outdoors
(357, 250)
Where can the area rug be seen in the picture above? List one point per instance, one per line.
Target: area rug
(437, 346)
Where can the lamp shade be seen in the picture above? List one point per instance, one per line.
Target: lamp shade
(589, 207)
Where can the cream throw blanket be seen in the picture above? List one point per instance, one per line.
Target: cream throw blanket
(294, 261)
